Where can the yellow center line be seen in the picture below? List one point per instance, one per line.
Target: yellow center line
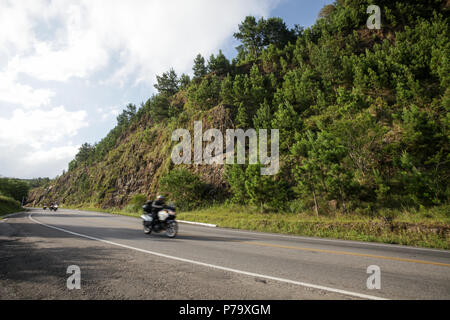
(347, 253)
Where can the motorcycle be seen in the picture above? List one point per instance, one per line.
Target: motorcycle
(53, 207)
(166, 222)
(45, 207)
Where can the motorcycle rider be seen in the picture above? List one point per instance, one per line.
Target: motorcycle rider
(157, 205)
(153, 207)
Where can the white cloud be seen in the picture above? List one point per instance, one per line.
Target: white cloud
(27, 163)
(16, 31)
(108, 112)
(104, 43)
(148, 36)
(35, 143)
(36, 128)
(13, 92)
(53, 155)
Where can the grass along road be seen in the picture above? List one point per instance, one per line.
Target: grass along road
(9, 205)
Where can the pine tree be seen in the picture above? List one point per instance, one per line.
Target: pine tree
(263, 190)
(242, 119)
(199, 68)
(219, 65)
(167, 83)
(288, 122)
(159, 107)
(263, 117)
(226, 90)
(235, 176)
(185, 80)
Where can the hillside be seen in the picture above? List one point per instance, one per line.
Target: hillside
(363, 118)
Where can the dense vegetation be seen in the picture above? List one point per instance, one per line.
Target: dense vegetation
(14, 191)
(363, 117)
(9, 205)
(14, 188)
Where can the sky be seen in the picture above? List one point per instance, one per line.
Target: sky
(69, 67)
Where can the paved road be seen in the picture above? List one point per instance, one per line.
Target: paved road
(118, 261)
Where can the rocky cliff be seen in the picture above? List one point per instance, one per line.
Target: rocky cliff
(140, 157)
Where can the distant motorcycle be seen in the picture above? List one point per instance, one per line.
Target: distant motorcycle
(45, 207)
(53, 207)
(166, 222)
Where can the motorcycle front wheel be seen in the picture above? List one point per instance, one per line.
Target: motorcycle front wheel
(172, 229)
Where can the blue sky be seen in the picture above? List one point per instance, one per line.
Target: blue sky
(68, 67)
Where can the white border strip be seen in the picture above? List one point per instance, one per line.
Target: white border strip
(199, 223)
(251, 274)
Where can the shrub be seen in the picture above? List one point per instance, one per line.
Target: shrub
(14, 188)
(136, 203)
(9, 205)
(184, 188)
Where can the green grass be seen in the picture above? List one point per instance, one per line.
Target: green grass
(9, 205)
(422, 228)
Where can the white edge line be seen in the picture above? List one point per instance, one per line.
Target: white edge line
(199, 223)
(303, 284)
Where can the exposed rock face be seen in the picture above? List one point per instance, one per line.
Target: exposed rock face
(134, 166)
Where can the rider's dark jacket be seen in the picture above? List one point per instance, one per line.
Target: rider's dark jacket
(154, 207)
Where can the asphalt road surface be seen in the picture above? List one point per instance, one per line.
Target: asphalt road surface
(118, 261)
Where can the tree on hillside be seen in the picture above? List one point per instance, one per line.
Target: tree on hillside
(276, 32)
(205, 95)
(124, 118)
(184, 81)
(242, 117)
(235, 176)
(159, 107)
(219, 65)
(263, 116)
(226, 90)
(14, 188)
(130, 111)
(288, 122)
(326, 11)
(199, 68)
(183, 187)
(167, 83)
(250, 35)
(84, 152)
(262, 189)
(256, 35)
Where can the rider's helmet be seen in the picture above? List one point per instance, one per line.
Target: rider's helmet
(160, 198)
